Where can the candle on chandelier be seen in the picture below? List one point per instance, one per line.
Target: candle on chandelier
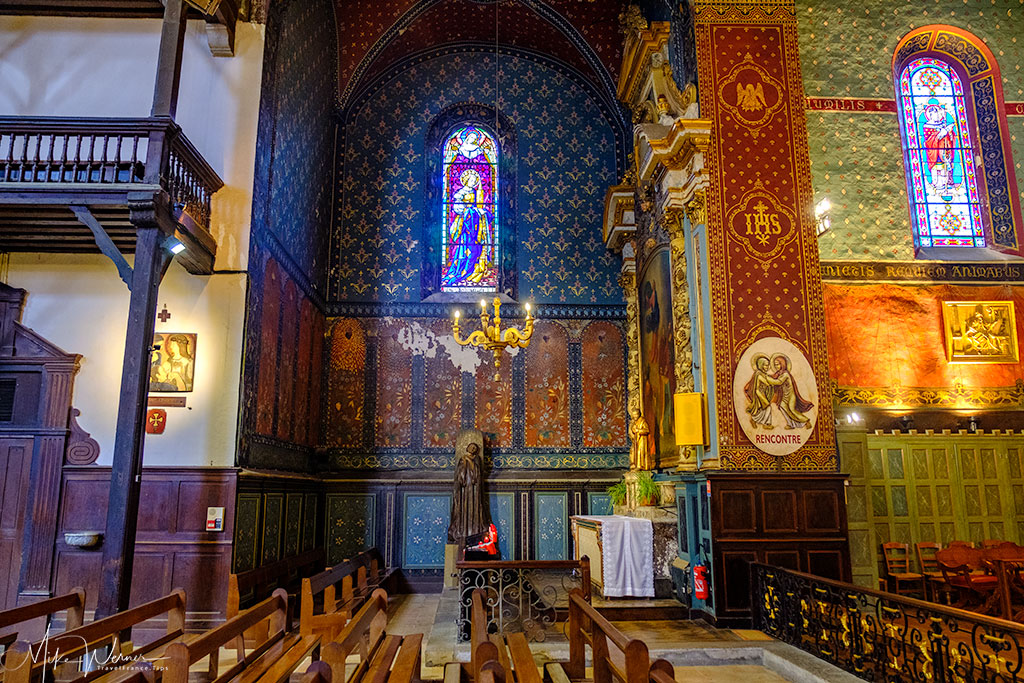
(457, 313)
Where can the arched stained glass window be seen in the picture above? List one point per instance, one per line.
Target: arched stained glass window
(941, 176)
(470, 218)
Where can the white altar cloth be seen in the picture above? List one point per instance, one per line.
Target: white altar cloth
(627, 556)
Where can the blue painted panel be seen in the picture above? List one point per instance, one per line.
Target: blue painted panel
(599, 503)
(504, 518)
(425, 530)
(551, 525)
(351, 524)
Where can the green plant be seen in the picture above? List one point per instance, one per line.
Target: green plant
(646, 490)
(617, 492)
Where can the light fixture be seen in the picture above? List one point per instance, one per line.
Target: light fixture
(173, 245)
(853, 418)
(821, 216)
(492, 337)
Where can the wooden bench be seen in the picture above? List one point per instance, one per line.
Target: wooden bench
(358, 578)
(501, 658)
(72, 603)
(250, 587)
(383, 658)
(615, 657)
(83, 642)
(271, 660)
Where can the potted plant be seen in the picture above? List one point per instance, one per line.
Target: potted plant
(647, 492)
(617, 492)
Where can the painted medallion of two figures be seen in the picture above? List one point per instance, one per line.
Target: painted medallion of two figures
(776, 396)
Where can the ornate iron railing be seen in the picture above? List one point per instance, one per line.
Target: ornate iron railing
(884, 637)
(92, 152)
(521, 596)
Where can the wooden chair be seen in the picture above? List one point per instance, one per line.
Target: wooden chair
(382, 657)
(335, 611)
(74, 644)
(959, 566)
(272, 660)
(897, 567)
(929, 566)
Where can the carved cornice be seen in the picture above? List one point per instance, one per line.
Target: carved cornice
(676, 155)
(642, 43)
(619, 216)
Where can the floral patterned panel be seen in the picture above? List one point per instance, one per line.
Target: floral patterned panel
(394, 387)
(604, 397)
(345, 382)
(547, 387)
(442, 394)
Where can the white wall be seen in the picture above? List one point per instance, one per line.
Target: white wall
(106, 67)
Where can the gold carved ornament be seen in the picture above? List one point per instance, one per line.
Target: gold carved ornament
(491, 336)
(627, 281)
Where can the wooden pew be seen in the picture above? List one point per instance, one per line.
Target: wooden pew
(271, 660)
(72, 603)
(588, 627)
(23, 663)
(358, 578)
(503, 658)
(383, 658)
(250, 587)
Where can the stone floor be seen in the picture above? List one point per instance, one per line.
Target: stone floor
(416, 614)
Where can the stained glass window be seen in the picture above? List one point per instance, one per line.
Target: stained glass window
(942, 178)
(470, 211)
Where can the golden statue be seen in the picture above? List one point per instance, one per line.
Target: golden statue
(639, 447)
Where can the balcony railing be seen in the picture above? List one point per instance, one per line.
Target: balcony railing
(884, 637)
(68, 155)
(528, 596)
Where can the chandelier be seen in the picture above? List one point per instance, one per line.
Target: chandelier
(491, 336)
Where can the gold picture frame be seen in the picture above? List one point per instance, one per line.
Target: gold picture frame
(980, 331)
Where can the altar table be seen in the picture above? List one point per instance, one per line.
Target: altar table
(621, 552)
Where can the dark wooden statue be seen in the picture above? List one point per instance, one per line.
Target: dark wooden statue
(470, 513)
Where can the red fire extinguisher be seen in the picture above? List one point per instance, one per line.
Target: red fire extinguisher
(700, 581)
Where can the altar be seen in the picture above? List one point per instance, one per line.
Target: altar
(621, 552)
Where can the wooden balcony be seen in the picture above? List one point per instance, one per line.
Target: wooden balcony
(124, 170)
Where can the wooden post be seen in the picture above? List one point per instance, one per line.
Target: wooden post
(168, 65)
(151, 260)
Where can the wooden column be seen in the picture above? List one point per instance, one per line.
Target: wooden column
(151, 260)
(168, 66)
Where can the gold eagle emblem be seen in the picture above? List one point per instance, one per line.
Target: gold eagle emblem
(751, 97)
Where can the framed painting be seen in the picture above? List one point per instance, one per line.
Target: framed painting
(980, 331)
(657, 353)
(172, 365)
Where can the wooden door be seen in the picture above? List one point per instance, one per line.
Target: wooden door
(15, 462)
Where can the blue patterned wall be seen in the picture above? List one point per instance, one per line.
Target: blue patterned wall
(351, 525)
(503, 517)
(426, 530)
(599, 504)
(295, 148)
(551, 526)
(566, 161)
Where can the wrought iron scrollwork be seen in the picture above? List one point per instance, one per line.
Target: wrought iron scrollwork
(518, 596)
(883, 637)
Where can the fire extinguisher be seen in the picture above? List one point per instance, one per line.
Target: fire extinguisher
(700, 581)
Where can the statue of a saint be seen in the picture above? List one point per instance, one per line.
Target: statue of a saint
(640, 457)
(470, 513)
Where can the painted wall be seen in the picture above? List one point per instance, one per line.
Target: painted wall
(105, 67)
(565, 162)
(856, 158)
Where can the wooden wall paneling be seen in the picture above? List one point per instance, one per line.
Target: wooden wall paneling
(309, 519)
(551, 525)
(247, 531)
(15, 463)
(425, 529)
(779, 512)
(273, 519)
(351, 524)
(292, 524)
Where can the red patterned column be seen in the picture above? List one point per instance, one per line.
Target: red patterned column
(773, 398)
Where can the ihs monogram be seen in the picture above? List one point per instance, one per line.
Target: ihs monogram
(761, 223)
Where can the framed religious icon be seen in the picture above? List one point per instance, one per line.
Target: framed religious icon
(657, 353)
(172, 365)
(980, 331)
